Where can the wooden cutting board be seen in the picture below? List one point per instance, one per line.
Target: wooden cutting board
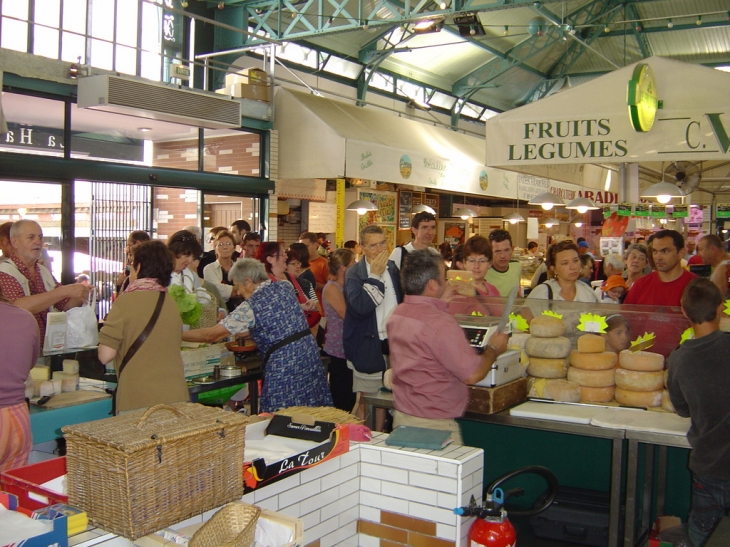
(576, 414)
(74, 398)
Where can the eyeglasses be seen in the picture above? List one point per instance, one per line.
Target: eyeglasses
(480, 261)
(374, 246)
(499, 235)
(224, 244)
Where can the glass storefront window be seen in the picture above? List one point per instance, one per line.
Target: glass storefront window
(14, 25)
(35, 124)
(41, 203)
(232, 152)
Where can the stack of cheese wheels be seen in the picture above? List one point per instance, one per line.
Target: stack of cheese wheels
(666, 402)
(640, 378)
(592, 368)
(547, 349)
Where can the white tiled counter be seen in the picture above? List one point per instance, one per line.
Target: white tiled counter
(374, 492)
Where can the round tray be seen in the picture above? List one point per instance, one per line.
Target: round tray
(235, 348)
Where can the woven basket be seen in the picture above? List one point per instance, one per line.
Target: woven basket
(233, 526)
(142, 471)
(209, 317)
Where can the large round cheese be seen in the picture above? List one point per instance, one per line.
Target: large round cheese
(591, 343)
(591, 378)
(666, 376)
(549, 348)
(562, 390)
(545, 326)
(638, 398)
(593, 361)
(633, 380)
(644, 361)
(518, 340)
(596, 394)
(547, 368)
(666, 402)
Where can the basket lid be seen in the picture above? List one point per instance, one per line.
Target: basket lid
(159, 424)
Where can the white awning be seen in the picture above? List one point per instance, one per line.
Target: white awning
(321, 138)
(590, 123)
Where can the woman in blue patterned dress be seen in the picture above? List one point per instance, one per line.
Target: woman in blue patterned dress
(293, 375)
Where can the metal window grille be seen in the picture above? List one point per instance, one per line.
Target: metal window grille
(116, 210)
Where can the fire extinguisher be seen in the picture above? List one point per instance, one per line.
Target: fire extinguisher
(492, 528)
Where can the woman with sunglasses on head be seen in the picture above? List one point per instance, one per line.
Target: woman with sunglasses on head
(477, 259)
(217, 272)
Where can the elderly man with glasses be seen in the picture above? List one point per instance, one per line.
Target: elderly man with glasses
(372, 291)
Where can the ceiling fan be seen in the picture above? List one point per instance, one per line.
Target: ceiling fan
(685, 174)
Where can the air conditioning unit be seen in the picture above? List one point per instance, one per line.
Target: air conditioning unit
(144, 99)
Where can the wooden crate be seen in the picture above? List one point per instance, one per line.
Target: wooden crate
(489, 400)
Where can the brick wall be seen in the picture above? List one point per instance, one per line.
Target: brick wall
(237, 154)
(174, 209)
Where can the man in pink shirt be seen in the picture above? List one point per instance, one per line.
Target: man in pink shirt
(431, 359)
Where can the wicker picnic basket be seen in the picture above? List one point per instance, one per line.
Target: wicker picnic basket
(143, 471)
(233, 526)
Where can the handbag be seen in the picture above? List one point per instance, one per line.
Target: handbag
(82, 325)
(313, 316)
(135, 347)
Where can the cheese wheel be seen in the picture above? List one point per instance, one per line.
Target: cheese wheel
(633, 380)
(596, 394)
(666, 377)
(591, 343)
(638, 398)
(70, 384)
(547, 368)
(46, 388)
(548, 348)
(591, 378)
(593, 361)
(643, 361)
(562, 390)
(666, 402)
(545, 326)
(518, 339)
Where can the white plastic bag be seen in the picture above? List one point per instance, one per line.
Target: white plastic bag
(82, 325)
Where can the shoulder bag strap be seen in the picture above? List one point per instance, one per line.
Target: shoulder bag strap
(281, 343)
(403, 254)
(143, 335)
(134, 347)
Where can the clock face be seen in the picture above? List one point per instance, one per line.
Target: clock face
(642, 98)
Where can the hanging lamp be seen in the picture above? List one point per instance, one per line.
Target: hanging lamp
(362, 206)
(546, 200)
(582, 205)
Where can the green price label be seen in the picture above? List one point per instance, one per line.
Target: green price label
(641, 210)
(606, 211)
(658, 211)
(680, 211)
(723, 210)
(624, 210)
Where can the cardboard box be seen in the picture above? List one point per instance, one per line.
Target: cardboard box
(490, 400)
(255, 92)
(57, 537)
(247, 76)
(258, 472)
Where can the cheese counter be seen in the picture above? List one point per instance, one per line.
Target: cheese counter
(547, 425)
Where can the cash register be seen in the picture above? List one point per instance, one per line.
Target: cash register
(478, 330)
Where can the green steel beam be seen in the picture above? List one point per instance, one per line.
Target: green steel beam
(588, 14)
(27, 167)
(664, 28)
(641, 39)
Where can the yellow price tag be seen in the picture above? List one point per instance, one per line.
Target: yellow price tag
(551, 313)
(591, 322)
(643, 342)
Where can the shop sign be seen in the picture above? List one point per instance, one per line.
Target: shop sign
(624, 209)
(642, 98)
(723, 210)
(641, 210)
(562, 131)
(599, 197)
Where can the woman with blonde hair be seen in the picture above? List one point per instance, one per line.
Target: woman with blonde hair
(333, 300)
(216, 273)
